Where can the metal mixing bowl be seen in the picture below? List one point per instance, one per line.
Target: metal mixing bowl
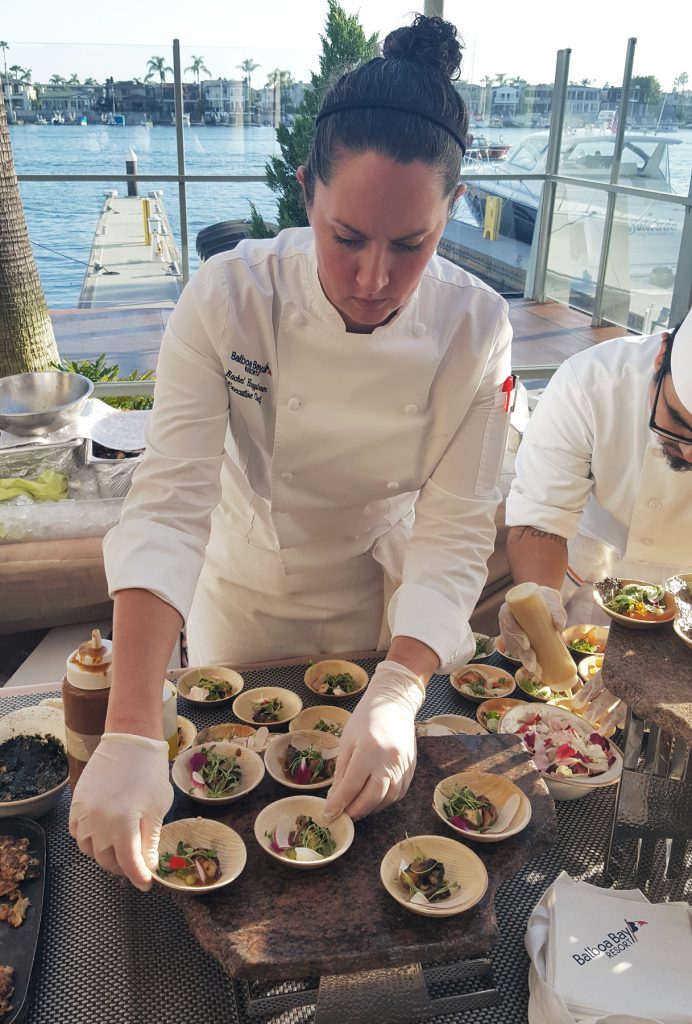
(39, 403)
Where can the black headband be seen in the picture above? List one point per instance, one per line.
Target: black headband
(385, 104)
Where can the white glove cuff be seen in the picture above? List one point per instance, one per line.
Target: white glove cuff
(139, 741)
(395, 680)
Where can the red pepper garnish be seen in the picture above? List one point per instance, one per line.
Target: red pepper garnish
(175, 863)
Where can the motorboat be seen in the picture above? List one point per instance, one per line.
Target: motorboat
(646, 233)
(482, 148)
(57, 118)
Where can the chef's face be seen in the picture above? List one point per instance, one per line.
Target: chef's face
(376, 225)
(671, 416)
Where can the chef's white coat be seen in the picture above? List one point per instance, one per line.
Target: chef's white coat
(589, 469)
(315, 449)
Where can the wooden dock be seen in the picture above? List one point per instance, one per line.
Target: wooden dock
(134, 259)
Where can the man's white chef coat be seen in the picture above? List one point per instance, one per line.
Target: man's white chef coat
(588, 463)
(318, 443)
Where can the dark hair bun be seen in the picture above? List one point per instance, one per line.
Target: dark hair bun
(428, 40)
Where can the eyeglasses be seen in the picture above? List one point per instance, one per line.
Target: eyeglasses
(685, 439)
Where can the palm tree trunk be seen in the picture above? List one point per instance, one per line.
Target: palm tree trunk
(27, 341)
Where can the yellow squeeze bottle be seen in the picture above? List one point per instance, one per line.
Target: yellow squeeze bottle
(531, 612)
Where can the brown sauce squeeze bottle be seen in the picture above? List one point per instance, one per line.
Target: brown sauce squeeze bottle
(85, 690)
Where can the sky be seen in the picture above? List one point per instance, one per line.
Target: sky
(503, 36)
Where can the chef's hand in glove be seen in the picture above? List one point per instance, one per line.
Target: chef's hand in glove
(599, 706)
(119, 803)
(377, 753)
(515, 639)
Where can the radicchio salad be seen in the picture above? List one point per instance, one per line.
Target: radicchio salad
(560, 749)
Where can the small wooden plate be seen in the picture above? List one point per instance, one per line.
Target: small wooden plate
(275, 757)
(490, 673)
(193, 675)
(226, 732)
(309, 717)
(210, 835)
(251, 767)
(497, 789)
(500, 704)
(457, 724)
(461, 866)
(291, 705)
(187, 731)
(341, 828)
(316, 673)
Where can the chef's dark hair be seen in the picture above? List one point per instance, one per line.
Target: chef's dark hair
(414, 72)
(664, 368)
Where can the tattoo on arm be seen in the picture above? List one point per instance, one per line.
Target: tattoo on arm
(517, 533)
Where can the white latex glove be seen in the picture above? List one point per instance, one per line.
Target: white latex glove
(599, 706)
(377, 753)
(119, 804)
(515, 639)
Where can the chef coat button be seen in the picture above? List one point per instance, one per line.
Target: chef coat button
(293, 404)
(655, 504)
(452, 655)
(297, 317)
(411, 410)
(393, 485)
(419, 330)
(287, 476)
(647, 541)
(370, 508)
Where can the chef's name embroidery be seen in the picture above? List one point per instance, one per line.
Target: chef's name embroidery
(611, 946)
(244, 384)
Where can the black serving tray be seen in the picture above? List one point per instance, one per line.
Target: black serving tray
(18, 946)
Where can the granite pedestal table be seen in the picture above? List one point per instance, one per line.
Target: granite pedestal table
(339, 924)
(651, 670)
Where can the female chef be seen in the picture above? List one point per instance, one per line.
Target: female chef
(329, 423)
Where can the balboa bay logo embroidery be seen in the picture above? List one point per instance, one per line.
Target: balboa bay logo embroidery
(249, 387)
(612, 946)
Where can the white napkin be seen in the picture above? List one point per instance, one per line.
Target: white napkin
(599, 951)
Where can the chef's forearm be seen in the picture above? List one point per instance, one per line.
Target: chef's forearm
(537, 556)
(145, 629)
(415, 655)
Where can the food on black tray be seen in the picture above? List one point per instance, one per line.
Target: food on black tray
(30, 765)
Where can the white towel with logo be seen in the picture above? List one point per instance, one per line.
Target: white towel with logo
(604, 956)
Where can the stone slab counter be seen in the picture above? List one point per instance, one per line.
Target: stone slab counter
(277, 922)
(651, 670)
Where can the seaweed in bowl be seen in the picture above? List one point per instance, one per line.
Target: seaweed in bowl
(30, 766)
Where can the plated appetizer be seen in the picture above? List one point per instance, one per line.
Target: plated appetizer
(336, 678)
(267, 706)
(197, 855)
(589, 666)
(455, 723)
(295, 832)
(217, 773)
(433, 876)
(534, 689)
(491, 711)
(209, 684)
(485, 646)
(482, 806)
(478, 683)
(470, 811)
(325, 718)
(303, 760)
(192, 864)
(586, 640)
(635, 603)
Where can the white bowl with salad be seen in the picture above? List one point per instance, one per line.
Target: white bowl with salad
(491, 711)
(304, 760)
(571, 756)
(199, 855)
(323, 717)
(480, 682)
(217, 773)
(295, 832)
(635, 603)
(532, 687)
(267, 705)
(485, 646)
(336, 678)
(481, 806)
(210, 684)
(585, 640)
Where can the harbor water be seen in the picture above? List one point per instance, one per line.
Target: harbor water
(62, 216)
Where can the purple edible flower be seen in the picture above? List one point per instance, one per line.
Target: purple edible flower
(461, 823)
(198, 761)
